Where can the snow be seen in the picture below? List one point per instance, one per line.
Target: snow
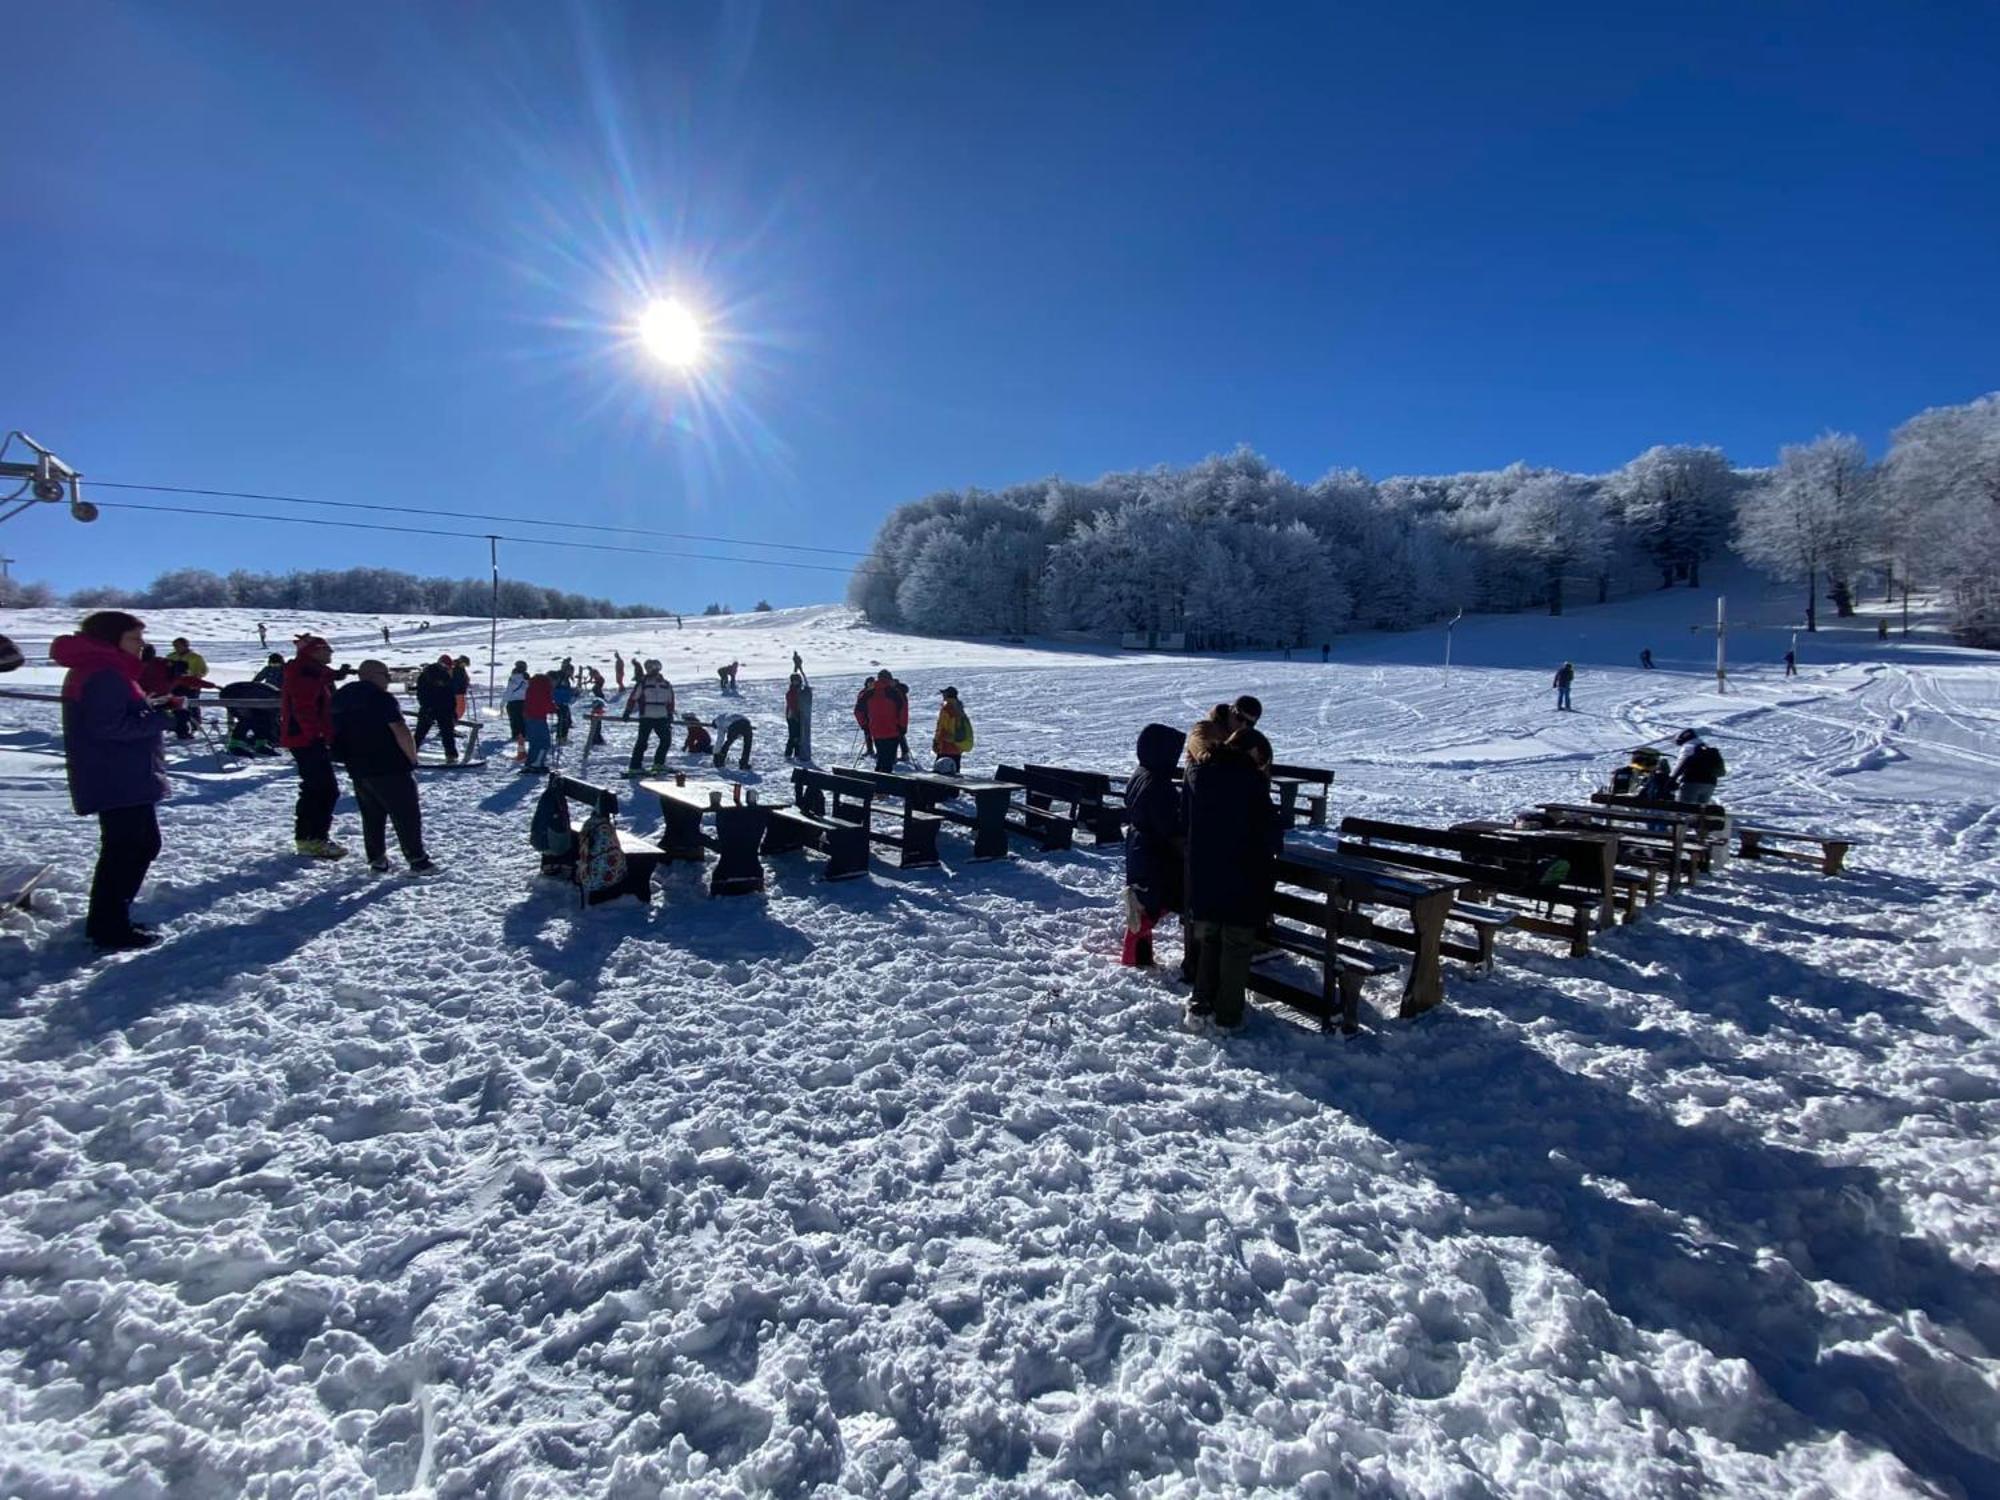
(902, 1186)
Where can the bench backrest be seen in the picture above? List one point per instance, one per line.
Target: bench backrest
(1585, 856)
(1045, 783)
(1094, 784)
(1714, 817)
(844, 798)
(597, 798)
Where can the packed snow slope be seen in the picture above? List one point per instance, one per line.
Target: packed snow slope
(361, 1186)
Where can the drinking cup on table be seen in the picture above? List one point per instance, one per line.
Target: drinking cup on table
(680, 778)
(736, 792)
(751, 796)
(715, 799)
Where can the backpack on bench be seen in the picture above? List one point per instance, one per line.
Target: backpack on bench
(600, 862)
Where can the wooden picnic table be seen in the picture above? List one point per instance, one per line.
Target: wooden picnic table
(1641, 825)
(739, 831)
(1354, 882)
(927, 791)
(1606, 880)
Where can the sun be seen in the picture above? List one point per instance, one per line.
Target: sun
(671, 333)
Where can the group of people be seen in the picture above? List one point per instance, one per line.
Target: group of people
(1203, 846)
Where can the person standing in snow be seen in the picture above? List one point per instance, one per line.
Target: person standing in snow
(263, 637)
(1699, 768)
(437, 706)
(113, 749)
(385, 635)
(1155, 849)
(305, 727)
(461, 685)
(732, 729)
(618, 666)
(1232, 834)
(537, 704)
(901, 690)
(1646, 658)
(1791, 663)
(1565, 675)
(883, 717)
(651, 702)
(562, 688)
(795, 691)
(951, 740)
(511, 698)
(272, 674)
(372, 741)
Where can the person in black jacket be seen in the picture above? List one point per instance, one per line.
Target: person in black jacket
(1155, 855)
(372, 741)
(437, 706)
(1232, 834)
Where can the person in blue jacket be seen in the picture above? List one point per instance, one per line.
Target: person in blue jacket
(112, 744)
(1155, 853)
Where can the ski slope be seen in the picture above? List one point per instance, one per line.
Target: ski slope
(903, 1187)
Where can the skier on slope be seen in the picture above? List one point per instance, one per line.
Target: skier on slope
(1699, 768)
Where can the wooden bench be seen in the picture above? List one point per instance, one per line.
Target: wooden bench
(1756, 840)
(1492, 864)
(1653, 834)
(1046, 786)
(1311, 929)
(1303, 792)
(914, 835)
(829, 814)
(641, 857)
(18, 882)
(1354, 885)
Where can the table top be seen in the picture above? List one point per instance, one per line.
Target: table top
(1415, 882)
(696, 794)
(1619, 814)
(957, 783)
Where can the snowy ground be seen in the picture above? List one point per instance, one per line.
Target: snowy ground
(902, 1186)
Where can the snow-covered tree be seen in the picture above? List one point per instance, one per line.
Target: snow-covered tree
(1678, 502)
(1555, 520)
(1811, 516)
(1943, 476)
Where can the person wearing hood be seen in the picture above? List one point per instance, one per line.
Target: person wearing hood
(305, 727)
(437, 707)
(272, 674)
(1155, 851)
(511, 698)
(1232, 834)
(112, 747)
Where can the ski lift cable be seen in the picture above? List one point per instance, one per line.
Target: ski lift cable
(467, 515)
(475, 536)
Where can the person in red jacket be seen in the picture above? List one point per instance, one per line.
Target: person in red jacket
(884, 715)
(305, 727)
(535, 710)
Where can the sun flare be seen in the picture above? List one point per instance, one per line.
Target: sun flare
(671, 333)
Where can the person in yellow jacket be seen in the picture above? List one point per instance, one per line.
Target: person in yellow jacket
(953, 740)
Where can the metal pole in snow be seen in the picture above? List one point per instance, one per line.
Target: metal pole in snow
(1721, 631)
(493, 638)
(1450, 625)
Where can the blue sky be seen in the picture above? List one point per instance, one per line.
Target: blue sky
(392, 253)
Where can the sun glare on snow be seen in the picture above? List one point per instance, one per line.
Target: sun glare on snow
(671, 333)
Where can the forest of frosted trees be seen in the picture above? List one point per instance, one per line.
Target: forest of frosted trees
(375, 591)
(1230, 552)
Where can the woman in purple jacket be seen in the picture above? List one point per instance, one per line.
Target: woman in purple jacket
(117, 770)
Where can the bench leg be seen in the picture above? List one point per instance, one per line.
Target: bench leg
(919, 844)
(1351, 980)
(1834, 857)
(1051, 833)
(846, 852)
(1486, 935)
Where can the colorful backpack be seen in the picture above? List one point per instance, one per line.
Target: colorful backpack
(600, 863)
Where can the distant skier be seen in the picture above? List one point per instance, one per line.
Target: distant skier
(1565, 675)
(732, 729)
(263, 637)
(1325, 650)
(385, 635)
(618, 666)
(511, 698)
(1791, 663)
(1699, 768)
(1646, 658)
(1881, 630)
(797, 694)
